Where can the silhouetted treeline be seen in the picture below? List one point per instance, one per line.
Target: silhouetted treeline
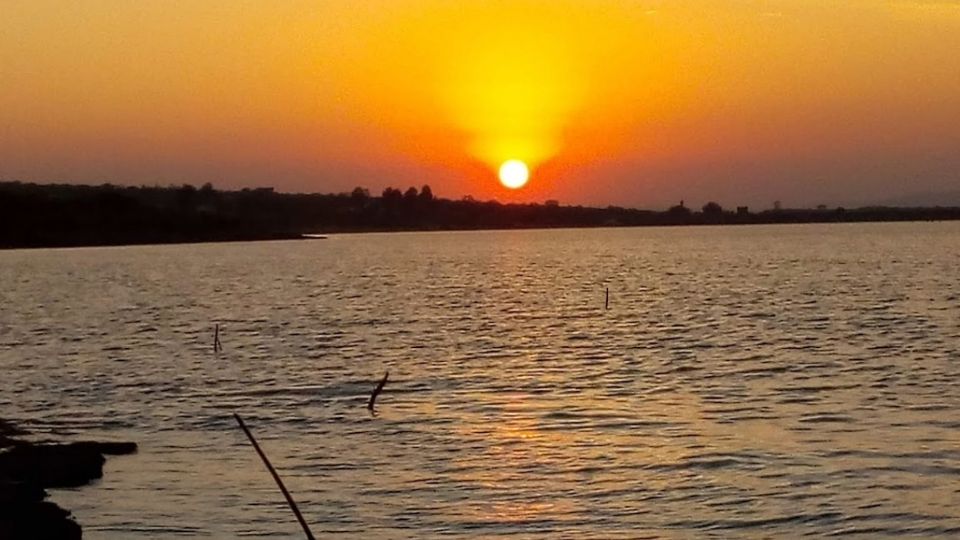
(33, 215)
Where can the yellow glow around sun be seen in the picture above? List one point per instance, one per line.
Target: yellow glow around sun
(480, 83)
(510, 92)
(514, 174)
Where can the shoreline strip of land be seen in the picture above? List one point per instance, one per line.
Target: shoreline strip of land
(67, 215)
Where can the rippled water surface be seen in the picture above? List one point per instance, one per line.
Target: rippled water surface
(746, 382)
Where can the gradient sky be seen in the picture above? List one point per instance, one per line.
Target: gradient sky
(628, 102)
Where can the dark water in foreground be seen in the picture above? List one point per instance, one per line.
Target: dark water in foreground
(747, 382)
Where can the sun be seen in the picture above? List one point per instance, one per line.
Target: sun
(514, 174)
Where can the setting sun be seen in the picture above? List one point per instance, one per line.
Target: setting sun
(514, 174)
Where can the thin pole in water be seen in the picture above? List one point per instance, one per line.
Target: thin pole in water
(606, 302)
(217, 347)
(276, 477)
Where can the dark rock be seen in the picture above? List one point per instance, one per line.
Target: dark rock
(52, 465)
(26, 468)
(110, 448)
(37, 521)
(7, 433)
(24, 492)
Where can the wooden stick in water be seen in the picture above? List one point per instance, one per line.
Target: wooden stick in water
(606, 302)
(376, 392)
(217, 347)
(276, 477)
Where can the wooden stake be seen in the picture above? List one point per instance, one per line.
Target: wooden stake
(276, 477)
(217, 347)
(606, 302)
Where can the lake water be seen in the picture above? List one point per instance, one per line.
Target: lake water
(745, 382)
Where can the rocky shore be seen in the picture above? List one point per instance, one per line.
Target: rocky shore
(28, 469)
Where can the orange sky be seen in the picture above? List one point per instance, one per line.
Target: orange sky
(626, 102)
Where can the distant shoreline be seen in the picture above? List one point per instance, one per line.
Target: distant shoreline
(178, 242)
(64, 216)
(307, 237)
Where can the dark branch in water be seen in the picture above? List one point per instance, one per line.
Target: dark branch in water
(376, 392)
(276, 477)
(606, 302)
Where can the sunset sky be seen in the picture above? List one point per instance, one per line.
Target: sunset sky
(628, 102)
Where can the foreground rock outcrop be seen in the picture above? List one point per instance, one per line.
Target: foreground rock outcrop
(27, 469)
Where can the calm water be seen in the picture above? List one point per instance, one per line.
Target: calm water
(747, 382)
